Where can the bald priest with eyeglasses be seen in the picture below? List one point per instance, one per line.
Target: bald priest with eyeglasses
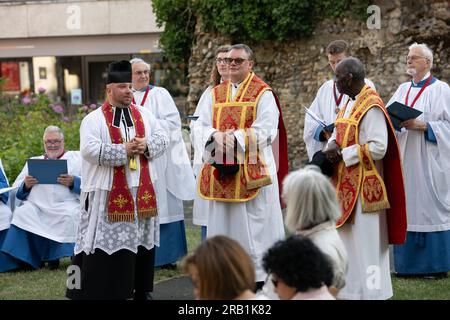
(242, 131)
(44, 223)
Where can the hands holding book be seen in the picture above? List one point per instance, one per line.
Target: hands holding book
(414, 124)
(29, 182)
(64, 179)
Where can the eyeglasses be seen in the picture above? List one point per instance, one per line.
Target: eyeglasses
(145, 72)
(237, 61)
(54, 142)
(221, 61)
(413, 58)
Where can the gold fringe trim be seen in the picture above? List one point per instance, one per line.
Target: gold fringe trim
(121, 216)
(147, 213)
(377, 206)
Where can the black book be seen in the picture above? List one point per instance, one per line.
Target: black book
(400, 112)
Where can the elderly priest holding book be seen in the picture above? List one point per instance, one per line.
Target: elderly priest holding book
(44, 223)
(425, 149)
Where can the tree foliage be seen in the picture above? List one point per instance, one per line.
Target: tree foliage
(245, 20)
(178, 19)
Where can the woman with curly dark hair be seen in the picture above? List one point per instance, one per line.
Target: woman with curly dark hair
(307, 277)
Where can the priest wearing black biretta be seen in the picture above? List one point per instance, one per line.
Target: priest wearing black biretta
(119, 225)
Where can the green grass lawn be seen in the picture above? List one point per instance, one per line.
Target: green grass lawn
(44, 284)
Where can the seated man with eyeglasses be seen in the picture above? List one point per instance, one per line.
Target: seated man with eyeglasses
(45, 219)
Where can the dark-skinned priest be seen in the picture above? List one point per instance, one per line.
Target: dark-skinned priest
(369, 185)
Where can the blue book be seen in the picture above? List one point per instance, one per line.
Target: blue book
(47, 171)
(400, 112)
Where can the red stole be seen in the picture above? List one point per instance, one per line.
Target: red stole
(120, 199)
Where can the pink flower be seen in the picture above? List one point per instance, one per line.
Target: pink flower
(34, 100)
(65, 119)
(84, 108)
(41, 90)
(58, 108)
(26, 100)
(93, 106)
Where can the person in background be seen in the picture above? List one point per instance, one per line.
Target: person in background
(219, 73)
(425, 146)
(299, 270)
(44, 225)
(327, 102)
(7, 262)
(173, 167)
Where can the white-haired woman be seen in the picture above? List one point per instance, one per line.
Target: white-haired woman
(312, 211)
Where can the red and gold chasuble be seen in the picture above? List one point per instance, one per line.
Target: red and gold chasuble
(237, 114)
(363, 178)
(120, 199)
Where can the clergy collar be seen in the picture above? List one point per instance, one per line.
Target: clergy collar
(118, 117)
(421, 83)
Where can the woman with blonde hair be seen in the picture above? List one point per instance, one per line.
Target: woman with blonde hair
(220, 269)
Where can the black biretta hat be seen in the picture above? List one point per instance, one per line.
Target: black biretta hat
(119, 72)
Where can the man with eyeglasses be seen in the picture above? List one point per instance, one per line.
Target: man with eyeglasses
(45, 220)
(173, 167)
(238, 125)
(327, 103)
(425, 146)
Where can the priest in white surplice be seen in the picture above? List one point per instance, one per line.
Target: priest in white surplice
(327, 102)
(174, 166)
(425, 149)
(369, 185)
(119, 226)
(243, 199)
(45, 218)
